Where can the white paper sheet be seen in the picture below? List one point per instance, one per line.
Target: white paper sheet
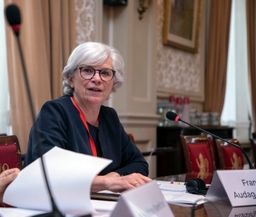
(175, 192)
(103, 208)
(172, 186)
(70, 176)
(103, 205)
(183, 198)
(16, 212)
(145, 200)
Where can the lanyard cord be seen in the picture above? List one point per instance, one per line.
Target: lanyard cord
(92, 144)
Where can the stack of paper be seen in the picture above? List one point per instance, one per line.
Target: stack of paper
(70, 176)
(175, 192)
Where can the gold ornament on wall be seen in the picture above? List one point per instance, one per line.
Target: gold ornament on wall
(142, 7)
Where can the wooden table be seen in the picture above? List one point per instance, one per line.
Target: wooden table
(204, 210)
(208, 208)
(184, 177)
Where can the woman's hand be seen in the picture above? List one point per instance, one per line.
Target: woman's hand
(116, 183)
(6, 177)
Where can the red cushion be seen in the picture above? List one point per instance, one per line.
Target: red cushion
(8, 156)
(200, 157)
(5, 205)
(233, 157)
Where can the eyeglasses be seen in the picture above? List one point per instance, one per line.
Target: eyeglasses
(87, 73)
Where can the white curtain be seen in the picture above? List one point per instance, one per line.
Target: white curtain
(236, 106)
(4, 95)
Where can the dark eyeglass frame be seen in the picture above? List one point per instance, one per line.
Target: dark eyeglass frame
(96, 70)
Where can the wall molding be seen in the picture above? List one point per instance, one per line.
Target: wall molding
(164, 93)
(139, 120)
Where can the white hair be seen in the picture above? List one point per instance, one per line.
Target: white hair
(92, 54)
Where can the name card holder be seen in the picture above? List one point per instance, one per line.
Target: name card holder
(238, 186)
(146, 200)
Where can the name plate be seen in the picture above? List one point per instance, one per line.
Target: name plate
(239, 186)
(144, 201)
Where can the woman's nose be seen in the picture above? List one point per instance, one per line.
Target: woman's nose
(96, 76)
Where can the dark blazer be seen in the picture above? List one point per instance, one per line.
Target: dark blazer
(58, 124)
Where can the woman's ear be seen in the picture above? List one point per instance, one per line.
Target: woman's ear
(114, 87)
(70, 81)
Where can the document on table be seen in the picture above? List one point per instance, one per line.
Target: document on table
(70, 176)
(103, 208)
(16, 212)
(175, 192)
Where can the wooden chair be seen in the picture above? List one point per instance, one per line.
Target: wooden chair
(198, 156)
(253, 146)
(157, 151)
(254, 135)
(230, 157)
(214, 152)
(10, 155)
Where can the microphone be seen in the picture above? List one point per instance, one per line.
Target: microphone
(174, 117)
(13, 16)
(12, 13)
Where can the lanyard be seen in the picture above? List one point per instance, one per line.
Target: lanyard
(92, 144)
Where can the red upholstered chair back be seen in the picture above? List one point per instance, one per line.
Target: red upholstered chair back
(10, 155)
(230, 157)
(131, 137)
(198, 155)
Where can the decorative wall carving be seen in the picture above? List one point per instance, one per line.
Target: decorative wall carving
(85, 21)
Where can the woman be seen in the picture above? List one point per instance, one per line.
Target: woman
(6, 177)
(79, 121)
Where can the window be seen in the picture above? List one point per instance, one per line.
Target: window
(236, 107)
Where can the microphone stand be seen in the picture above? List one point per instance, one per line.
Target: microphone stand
(15, 24)
(55, 211)
(217, 137)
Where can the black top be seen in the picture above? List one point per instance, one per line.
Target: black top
(94, 133)
(58, 124)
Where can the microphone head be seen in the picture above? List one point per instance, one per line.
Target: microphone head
(12, 13)
(172, 116)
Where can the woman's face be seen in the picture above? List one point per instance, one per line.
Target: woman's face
(94, 91)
